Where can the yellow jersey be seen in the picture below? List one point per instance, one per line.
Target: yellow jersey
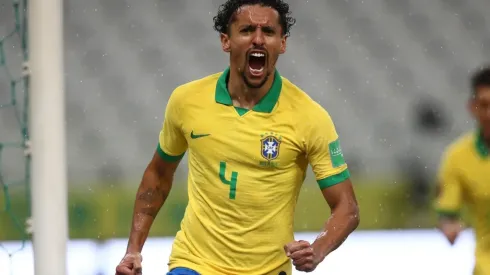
(246, 168)
(464, 178)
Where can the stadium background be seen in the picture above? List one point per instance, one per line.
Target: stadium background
(393, 74)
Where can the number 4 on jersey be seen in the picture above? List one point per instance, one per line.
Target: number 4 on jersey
(232, 183)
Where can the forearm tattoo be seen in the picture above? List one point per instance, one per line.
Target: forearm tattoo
(149, 211)
(150, 199)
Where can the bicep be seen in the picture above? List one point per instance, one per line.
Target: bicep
(341, 193)
(324, 151)
(449, 196)
(163, 165)
(161, 170)
(172, 142)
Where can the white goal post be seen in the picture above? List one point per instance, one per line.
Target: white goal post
(47, 136)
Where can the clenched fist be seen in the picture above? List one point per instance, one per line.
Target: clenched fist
(303, 254)
(130, 265)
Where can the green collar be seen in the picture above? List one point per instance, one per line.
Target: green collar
(481, 146)
(265, 105)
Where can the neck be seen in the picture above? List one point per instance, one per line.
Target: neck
(243, 96)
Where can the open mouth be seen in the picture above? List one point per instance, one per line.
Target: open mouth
(256, 62)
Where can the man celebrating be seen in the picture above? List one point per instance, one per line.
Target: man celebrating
(465, 176)
(250, 135)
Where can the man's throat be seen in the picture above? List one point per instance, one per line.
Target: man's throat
(247, 99)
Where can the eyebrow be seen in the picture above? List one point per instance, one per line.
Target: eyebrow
(270, 27)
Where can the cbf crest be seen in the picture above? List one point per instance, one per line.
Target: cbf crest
(270, 145)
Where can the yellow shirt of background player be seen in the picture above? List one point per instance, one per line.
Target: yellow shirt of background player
(246, 168)
(464, 179)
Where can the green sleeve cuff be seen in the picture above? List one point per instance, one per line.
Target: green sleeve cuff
(168, 157)
(333, 180)
(449, 214)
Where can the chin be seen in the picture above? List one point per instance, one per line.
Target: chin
(255, 82)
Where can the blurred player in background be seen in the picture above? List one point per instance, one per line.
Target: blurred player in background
(250, 135)
(465, 176)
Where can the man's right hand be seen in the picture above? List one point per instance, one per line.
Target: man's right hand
(451, 229)
(130, 264)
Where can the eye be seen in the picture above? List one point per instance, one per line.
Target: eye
(247, 29)
(268, 30)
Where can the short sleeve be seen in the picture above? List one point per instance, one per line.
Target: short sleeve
(323, 149)
(172, 143)
(449, 197)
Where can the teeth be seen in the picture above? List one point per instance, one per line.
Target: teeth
(258, 54)
(257, 71)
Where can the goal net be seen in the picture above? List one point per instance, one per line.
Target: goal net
(14, 132)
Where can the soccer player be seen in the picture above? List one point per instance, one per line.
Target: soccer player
(250, 135)
(464, 176)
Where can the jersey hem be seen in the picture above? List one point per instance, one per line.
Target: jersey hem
(451, 214)
(333, 180)
(168, 157)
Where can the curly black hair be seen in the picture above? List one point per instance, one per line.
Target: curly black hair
(227, 10)
(480, 78)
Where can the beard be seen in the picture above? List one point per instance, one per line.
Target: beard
(254, 86)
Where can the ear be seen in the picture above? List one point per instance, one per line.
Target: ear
(283, 44)
(225, 42)
(472, 108)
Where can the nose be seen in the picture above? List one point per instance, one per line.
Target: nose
(258, 39)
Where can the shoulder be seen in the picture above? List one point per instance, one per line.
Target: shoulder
(460, 147)
(195, 88)
(301, 102)
(312, 121)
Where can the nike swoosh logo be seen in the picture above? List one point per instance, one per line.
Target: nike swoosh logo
(198, 136)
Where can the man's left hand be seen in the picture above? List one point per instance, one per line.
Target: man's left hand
(305, 257)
